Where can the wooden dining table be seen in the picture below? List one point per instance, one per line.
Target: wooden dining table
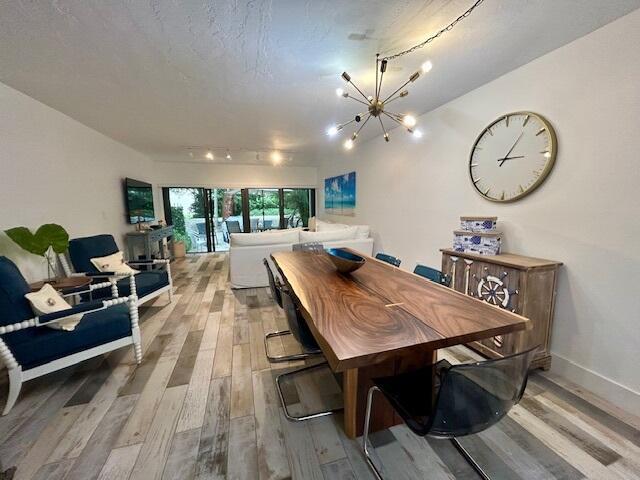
(380, 321)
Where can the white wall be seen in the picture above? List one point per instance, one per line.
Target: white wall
(586, 215)
(56, 170)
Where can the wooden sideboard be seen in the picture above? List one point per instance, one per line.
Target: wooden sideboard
(523, 285)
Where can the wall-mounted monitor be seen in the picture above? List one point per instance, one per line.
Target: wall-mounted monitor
(139, 198)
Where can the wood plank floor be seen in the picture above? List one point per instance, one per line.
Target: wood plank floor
(202, 405)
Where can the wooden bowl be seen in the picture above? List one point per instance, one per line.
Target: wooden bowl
(345, 262)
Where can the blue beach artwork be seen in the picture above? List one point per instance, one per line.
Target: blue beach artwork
(340, 194)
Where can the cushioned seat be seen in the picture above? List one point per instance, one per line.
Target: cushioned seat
(82, 250)
(37, 346)
(146, 283)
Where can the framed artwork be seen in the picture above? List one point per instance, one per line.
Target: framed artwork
(340, 194)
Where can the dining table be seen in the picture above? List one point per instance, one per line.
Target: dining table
(381, 321)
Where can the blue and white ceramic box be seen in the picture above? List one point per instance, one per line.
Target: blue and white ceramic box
(483, 243)
(478, 224)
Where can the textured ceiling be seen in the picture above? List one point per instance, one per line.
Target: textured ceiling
(254, 75)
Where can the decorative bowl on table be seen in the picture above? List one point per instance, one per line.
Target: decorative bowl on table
(345, 261)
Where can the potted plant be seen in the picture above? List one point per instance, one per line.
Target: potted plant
(49, 239)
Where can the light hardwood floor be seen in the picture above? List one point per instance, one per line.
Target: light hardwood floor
(202, 405)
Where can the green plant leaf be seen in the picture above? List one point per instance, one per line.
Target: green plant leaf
(55, 236)
(27, 240)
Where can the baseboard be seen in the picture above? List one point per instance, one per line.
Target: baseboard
(614, 392)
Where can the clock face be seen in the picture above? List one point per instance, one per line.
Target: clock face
(512, 156)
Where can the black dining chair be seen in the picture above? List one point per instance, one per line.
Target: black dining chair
(451, 401)
(300, 330)
(432, 274)
(389, 259)
(277, 292)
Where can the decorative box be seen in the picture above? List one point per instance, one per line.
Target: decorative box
(478, 224)
(483, 243)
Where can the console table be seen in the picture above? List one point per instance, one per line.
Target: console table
(148, 238)
(519, 284)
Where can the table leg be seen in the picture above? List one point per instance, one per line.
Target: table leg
(356, 384)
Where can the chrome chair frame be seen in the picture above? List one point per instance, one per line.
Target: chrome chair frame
(369, 458)
(285, 358)
(308, 416)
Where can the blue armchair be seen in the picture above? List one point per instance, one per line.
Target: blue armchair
(148, 284)
(30, 350)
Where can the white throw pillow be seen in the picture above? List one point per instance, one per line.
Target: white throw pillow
(113, 263)
(329, 227)
(348, 233)
(47, 300)
(265, 238)
(364, 231)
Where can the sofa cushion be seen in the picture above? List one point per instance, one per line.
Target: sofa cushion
(329, 227)
(146, 283)
(332, 235)
(364, 231)
(82, 250)
(39, 345)
(265, 238)
(14, 307)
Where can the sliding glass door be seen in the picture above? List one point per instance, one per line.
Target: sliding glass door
(204, 218)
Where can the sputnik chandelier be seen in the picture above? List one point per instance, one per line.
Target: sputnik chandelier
(377, 105)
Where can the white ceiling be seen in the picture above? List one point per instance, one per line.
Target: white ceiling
(254, 75)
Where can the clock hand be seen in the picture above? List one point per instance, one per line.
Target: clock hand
(514, 145)
(502, 160)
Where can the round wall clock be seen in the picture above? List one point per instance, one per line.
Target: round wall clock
(512, 156)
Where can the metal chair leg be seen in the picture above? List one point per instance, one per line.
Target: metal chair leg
(285, 358)
(470, 460)
(284, 404)
(365, 436)
(365, 444)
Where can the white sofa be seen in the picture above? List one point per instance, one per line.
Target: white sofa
(247, 250)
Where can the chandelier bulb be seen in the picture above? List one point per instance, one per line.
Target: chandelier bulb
(404, 93)
(209, 155)
(333, 130)
(383, 66)
(354, 136)
(386, 137)
(409, 121)
(339, 92)
(414, 77)
(346, 77)
(345, 94)
(417, 133)
(358, 118)
(427, 66)
(370, 98)
(348, 145)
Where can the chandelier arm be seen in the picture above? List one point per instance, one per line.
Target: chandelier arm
(394, 119)
(397, 90)
(360, 92)
(358, 100)
(396, 115)
(384, 130)
(363, 124)
(387, 102)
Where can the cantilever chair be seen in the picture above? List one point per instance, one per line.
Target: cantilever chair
(469, 398)
(277, 292)
(389, 259)
(432, 274)
(29, 349)
(149, 283)
(300, 330)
